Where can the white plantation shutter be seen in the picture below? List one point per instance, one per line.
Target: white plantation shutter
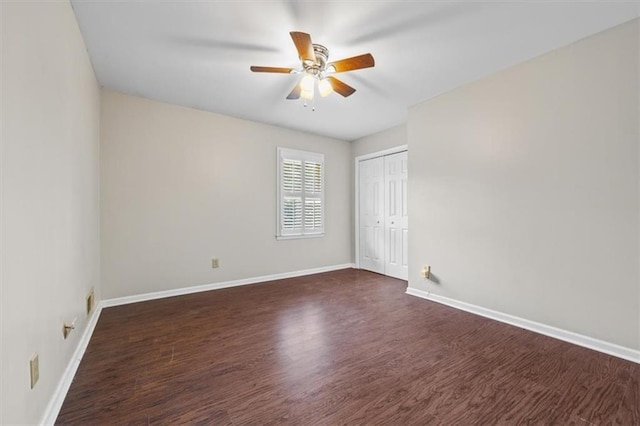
(300, 193)
(292, 175)
(312, 214)
(312, 177)
(292, 214)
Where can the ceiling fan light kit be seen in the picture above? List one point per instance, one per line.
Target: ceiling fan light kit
(324, 87)
(316, 69)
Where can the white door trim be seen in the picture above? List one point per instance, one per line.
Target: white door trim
(394, 150)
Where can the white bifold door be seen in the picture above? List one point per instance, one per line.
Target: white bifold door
(383, 218)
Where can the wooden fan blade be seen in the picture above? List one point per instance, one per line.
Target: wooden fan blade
(295, 93)
(354, 63)
(340, 87)
(272, 69)
(304, 46)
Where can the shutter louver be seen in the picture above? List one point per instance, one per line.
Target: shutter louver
(292, 213)
(312, 214)
(312, 177)
(292, 176)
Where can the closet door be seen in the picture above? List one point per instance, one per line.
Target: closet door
(396, 219)
(371, 214)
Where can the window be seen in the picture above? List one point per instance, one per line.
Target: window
(300, 194)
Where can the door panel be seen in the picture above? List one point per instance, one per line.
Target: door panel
(371, 209)
(392, 245)
(396, 217)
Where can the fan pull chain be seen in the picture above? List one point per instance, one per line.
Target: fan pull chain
(313, 105)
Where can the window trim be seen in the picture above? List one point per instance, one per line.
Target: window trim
(283, 153)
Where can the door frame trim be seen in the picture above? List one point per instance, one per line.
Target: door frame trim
(356, 202)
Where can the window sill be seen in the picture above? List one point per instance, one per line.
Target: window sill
(298, 237)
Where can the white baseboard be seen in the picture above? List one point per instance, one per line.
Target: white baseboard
(568, 336)
(55, 403)
(216, 286)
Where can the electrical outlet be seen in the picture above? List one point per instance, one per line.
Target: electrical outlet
(426, 272)
(34, 367)
(215, 262)
(90, 301)
(67, 327)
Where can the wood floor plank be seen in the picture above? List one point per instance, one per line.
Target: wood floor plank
(345, 347)
(629, 409)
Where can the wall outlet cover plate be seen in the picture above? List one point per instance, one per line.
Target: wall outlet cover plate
(34, 366)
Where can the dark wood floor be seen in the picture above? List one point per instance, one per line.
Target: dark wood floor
(345, 347)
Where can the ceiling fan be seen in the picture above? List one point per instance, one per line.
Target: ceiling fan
(316, 69)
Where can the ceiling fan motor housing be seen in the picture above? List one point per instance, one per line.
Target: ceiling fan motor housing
(322, 55)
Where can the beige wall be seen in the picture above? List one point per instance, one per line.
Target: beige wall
(524, 189)
(380, 141)
(180, 186)
(50, 198)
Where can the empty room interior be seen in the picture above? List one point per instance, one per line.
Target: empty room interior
(320, 212)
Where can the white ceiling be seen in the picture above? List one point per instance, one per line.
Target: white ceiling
(198, 53)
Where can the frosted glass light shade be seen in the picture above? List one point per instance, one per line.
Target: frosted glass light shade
(307, 94)
(307, 83)
(324, 87)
